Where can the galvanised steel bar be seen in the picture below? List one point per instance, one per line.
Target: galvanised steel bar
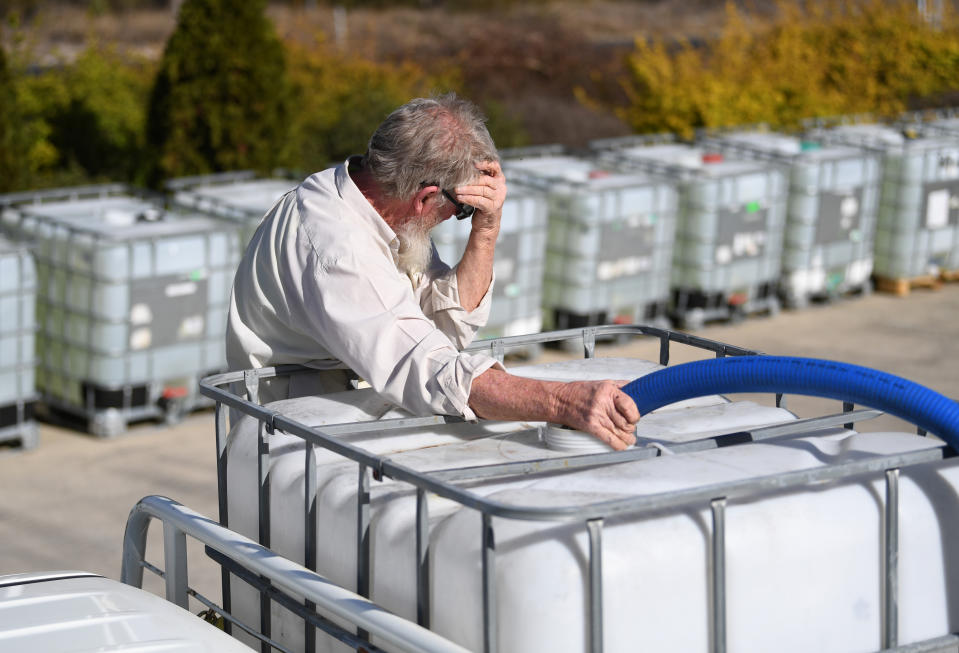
(642, 453)
(251, 381)
(890, 617)
(595, 530)
(385, 467)
(263, 523)
(391, 424)
(209, 386)
(848, 407)
(230, 620)
(499, 351)
(612, 330)
(589, 342)
(490, 627)
(220, 414)
(717, 558)
(944, 644)
(309, 535)
(363, 538)
(665, 500)
(396, 633)
(422, 559)
(310, 617)
(174, 560)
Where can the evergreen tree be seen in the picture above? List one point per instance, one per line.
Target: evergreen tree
(221, 97)
(12, 148)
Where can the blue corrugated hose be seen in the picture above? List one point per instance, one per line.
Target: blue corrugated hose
(804, 376)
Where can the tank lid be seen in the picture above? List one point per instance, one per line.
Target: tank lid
(563, 438)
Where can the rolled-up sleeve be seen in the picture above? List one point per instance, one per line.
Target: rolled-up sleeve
(441, 302)
(369, 318)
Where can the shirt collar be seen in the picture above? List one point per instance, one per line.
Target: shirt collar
(352, 195)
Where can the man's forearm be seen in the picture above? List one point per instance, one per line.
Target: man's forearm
(598, 407)
(475, 270)
(498, 395)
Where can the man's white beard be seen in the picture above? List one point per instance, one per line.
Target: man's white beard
(415, 253)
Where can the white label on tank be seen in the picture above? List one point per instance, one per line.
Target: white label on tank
(191, 327)
(623, 267)
(140, 339)
(724, 254)
(937, 209)
(848, 209)
(140, 314)
(748, 243)
(180, 289)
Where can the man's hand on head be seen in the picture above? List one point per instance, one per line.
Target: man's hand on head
(487, 193)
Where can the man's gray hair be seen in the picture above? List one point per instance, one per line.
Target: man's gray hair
(433, 140)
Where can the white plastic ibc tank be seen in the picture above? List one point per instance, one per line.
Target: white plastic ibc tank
(917, 233)
(948, 124)
(234, 196)
(18, 289)
(731, 220)
(540, 604)
(520, 258)
(128, 295)
(610, 240)
(802, 568)
(833, 204)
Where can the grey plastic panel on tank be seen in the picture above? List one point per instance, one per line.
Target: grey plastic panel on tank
(520, 259)
(731, 218)
(129, 295)
(833, 205)
(610, 239)
(917, 231)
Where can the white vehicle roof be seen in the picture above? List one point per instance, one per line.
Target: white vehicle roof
(79, 611)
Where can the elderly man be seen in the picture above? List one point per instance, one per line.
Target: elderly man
(341, 276)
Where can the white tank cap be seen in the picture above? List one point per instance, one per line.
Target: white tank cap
(563, 438)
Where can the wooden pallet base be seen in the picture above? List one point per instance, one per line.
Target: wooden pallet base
(949, 275)
(902, 287)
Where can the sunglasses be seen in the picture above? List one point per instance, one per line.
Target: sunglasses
(463, 211)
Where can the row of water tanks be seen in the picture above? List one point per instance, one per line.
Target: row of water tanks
(113, 302)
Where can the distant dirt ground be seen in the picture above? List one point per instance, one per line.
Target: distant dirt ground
(528, 59)
(61, 29)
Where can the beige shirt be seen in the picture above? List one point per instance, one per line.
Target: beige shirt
(319, 286)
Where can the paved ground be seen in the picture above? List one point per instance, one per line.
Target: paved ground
(64, 505)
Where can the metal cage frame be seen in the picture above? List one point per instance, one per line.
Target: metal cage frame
(592, 516)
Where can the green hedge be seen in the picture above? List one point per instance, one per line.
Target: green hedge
(94, 114)
(828, 59)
